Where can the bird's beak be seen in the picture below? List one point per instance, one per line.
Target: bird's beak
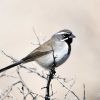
(72, 36)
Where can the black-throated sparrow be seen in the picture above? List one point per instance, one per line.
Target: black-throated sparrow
(58, 47)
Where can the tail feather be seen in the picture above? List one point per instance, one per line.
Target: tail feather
(10, 66)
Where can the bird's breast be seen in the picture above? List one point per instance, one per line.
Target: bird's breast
(60, 52)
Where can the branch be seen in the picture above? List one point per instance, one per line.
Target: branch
(69, 90)
(51, 76)
(84, 96)
(21, 81)
(6, 93)
(24, 85)
(36, 36)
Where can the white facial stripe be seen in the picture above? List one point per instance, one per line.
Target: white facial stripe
(64, 39)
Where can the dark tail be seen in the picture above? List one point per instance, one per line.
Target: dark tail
(10, 66)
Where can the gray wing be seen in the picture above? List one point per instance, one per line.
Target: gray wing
(38, 52)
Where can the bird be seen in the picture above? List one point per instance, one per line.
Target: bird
(57, 49)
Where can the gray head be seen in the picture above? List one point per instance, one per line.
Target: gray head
(65, 35)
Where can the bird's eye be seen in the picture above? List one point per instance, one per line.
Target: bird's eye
(65, 35)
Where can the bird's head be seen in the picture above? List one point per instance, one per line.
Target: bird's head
(65, 35)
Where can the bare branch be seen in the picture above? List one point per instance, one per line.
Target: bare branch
(6, 92)
(51, 76)
(52, 73)
(69, 90)
(21, 81)
(84, 96)
(9, 56)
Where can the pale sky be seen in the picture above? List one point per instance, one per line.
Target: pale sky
(82, 17)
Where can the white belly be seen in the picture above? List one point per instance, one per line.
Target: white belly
(60, 54)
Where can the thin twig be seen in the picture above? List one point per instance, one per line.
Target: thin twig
(6, 93)
(36, 36)
(69, 90)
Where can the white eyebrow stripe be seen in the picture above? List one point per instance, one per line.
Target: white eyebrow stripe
(61, 33)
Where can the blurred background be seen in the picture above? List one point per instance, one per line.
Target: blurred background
(19, 18)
